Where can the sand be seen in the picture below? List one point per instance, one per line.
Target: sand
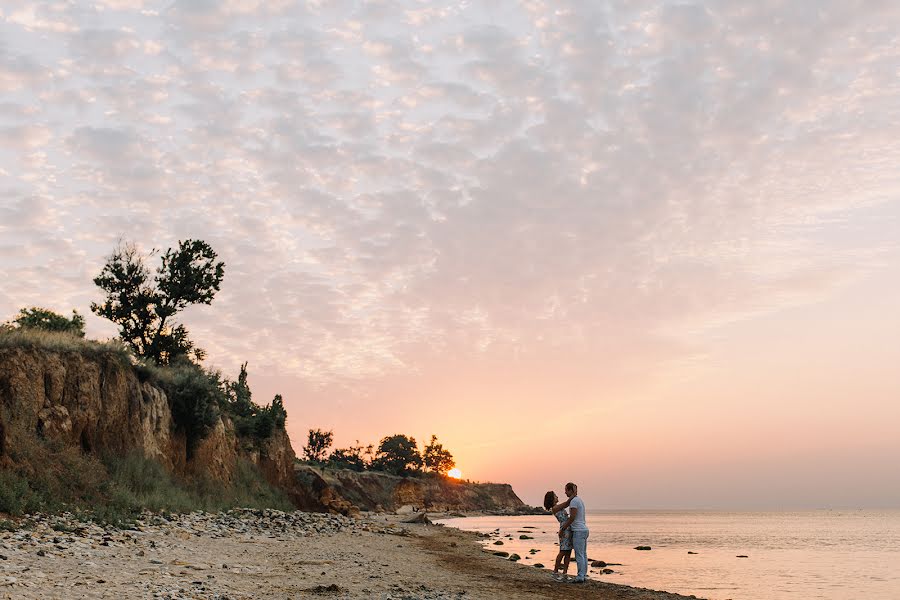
(306, 556)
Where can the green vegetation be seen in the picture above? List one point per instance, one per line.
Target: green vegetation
(250, 419)
(56, 341)
(436, 459)
(397, 454)
(50, 477)
(143, 308)
(47, 476)
(317, 445)
(47, 320)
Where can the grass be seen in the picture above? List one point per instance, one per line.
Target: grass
(51, 479)
(38, 339)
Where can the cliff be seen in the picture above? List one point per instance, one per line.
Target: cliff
(95, 401)
(371, 490)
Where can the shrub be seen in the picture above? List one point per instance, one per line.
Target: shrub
(47, 320)
(194, 397)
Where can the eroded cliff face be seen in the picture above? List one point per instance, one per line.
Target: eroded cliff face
(381, 491)
(98, 403)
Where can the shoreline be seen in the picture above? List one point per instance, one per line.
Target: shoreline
(255, 554)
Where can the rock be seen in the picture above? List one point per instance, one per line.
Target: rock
(421, 517)
(742, 556)
(514, 557)
(525, 537)
(406, 509)
(689, 552)
(607, 571)
(642, 547)
(598, 564)
(501, 553)
(498, 543)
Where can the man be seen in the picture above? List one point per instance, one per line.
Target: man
(580, 532)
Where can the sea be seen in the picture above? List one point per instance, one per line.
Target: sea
(810, 555)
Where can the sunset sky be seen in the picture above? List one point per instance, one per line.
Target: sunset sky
(650, 247)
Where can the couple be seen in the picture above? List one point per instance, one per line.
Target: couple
(573, 533)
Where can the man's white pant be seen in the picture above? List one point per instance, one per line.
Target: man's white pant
(579, 544)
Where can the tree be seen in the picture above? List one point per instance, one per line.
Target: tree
(436, 459)
(318, 443)
(42, 318)
(349, 458)
(251, 419)
(397, 454)
(240, 398)
(143, 308)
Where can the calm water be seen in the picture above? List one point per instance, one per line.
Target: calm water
(822, 555)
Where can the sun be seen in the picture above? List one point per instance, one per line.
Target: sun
(454, 473)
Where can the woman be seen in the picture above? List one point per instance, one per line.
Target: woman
(551, 503)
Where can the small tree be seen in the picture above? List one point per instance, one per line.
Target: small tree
(397, 454)
(349, 458)
(436, 459)
(143, 308)
(42, 318)
(318, 443)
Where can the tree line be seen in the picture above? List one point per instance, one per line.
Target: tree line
(397, 454)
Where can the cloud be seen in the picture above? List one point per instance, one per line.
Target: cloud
(388, 183)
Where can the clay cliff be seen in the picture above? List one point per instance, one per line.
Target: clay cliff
(373, 490)
(97, 402)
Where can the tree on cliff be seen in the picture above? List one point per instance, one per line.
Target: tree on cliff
(250, 419)
(436, 459)
(47, 320)
(143, 308)
(397, 454)
(353, 458)
(318, 443)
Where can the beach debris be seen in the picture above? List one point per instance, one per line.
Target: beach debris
(691, 552)
(642, 548)
(742, 556)
(325, 589)
(421, 517)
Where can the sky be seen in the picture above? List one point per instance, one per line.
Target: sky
(650, 247)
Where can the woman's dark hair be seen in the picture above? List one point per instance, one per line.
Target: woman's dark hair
(548, 499)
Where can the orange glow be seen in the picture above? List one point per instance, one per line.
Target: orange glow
(454, 473)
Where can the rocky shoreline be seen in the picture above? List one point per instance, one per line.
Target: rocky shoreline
(250, 554)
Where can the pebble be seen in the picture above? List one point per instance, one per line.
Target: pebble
(68, 536)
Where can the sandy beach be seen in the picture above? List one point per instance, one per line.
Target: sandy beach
(268, 554)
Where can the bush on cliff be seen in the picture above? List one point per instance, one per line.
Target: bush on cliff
(250, 419)
(195, 395)
(47, 320)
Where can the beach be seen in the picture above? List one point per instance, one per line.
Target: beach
(269, 554)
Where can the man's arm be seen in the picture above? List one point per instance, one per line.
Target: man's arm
(573, 512)
(561, 506)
